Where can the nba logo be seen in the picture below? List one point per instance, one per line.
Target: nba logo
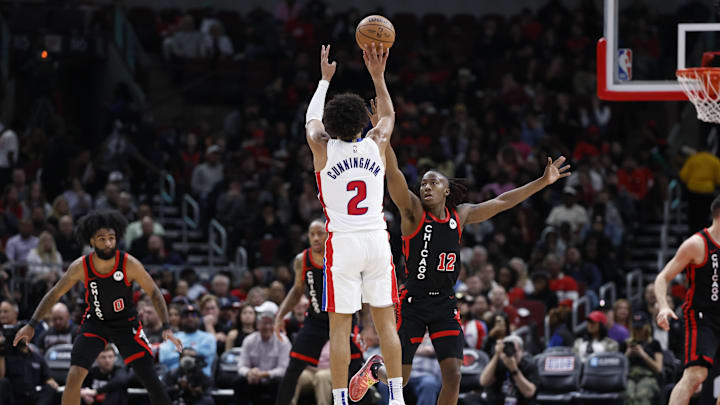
(624, 64)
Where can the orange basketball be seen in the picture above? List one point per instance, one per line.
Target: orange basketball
(375, 28)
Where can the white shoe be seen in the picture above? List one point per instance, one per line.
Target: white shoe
(396, 402)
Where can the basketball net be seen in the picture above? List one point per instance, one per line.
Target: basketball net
(702, 87)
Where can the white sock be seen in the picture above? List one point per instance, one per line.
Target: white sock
(395, 386)
(340, 396)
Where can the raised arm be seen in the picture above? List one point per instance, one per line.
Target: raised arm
(292, 298)
(473, 213)
(74, 274)
(407, 202)
(375, 59)
(136, 273)
(691, 251)
(314, 129)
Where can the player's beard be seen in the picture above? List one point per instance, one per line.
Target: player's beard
(105, 254)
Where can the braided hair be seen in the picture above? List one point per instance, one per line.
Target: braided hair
(458, 190)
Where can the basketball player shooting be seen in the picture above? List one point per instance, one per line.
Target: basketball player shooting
(698, 256)
(110, 315)
(431, 226)
(350, 175)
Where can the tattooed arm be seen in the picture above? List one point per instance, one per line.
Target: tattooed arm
(136, 273)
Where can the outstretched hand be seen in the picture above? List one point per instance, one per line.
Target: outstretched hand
(375, 57)
(327, 69)
(168, 335)
(555, 170)
(372, 112)
(25, 333)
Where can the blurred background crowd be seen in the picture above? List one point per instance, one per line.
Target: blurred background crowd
(482, 97)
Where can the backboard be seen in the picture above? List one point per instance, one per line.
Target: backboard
(646, 41)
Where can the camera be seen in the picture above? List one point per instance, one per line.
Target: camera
(509, 349)
(190, 363)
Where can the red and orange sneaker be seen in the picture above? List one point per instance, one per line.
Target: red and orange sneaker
(363, 379)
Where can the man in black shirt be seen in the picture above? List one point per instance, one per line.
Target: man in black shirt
(105, 383)
(510, 375)
(66, 243)
(26, 370)
(61, 330)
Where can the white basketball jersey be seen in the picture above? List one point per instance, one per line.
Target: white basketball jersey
(352, 185)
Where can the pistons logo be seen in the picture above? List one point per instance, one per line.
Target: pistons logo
(118, 305)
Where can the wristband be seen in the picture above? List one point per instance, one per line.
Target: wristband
(165, 326)
(34, 323)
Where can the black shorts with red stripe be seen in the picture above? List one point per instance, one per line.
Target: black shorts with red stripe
(436, 314)
(128, 336)
(702, 336)
(313, 335)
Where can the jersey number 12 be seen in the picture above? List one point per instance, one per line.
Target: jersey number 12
(361, 188)
(450, 265)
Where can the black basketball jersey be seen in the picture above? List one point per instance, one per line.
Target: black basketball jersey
(432, 254)
(313, 276)
(109, 297)
(703, 279)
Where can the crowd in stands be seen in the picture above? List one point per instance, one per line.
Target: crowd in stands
(487, 100)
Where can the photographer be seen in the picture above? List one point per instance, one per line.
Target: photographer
(188, 384)
(105, 383)
(646, 362)
(25, 370)
(510, 377)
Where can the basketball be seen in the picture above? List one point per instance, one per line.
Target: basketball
(375, 28)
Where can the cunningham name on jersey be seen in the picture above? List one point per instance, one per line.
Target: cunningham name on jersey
(354, 163)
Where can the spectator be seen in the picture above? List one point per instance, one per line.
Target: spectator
(499, 327)
(109, 199)
(152, 326)
(508, 279)
(637, 180)
(487, 280)
(217, 45)
(207, 174)
(210, 311)
(61, 330)
(185, 43)
(9, 152)
(220, 286)
(425, 378)
(134, 229)
(139, 247)
(701, 175)
(106, 383)
(498, 303)
(276, 292)
(564, 286)
(19, 246)
(619, 320)
(9, 312)
(570, 211)
(19, 180)
(542, 292)
(125, 206)
(40, 224)
(646, 362)
(188, 384)
(25, 370)
(158, 256)
(44, 261)
(196, 289)
(174, 316)
(244, 326)
(596, 339)
(78, 200)
(60, 208)
(511, 376)
(262, 363)
(474, 328)
(581, 271)
(560, 329)
(191, 337)
(66, 242)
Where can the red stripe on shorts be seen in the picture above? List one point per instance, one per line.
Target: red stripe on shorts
(329, 290)
(305, 358)
(444, 333)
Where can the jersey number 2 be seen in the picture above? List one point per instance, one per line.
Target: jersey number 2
(450, 265)
(361, 188)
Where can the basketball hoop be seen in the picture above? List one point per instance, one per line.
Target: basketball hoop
(702, 87)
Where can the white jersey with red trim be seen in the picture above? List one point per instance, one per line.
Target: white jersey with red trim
(352, 186)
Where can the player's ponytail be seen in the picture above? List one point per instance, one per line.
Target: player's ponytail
(458, 192)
